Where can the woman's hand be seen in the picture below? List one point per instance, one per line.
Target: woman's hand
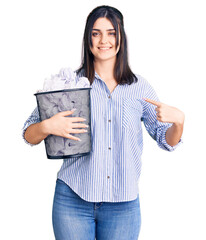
(173, 115)
(61, 125)
(167, 113)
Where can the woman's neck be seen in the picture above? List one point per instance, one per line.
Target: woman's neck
(105, 69)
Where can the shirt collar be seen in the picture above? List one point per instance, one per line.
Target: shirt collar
(97, 76)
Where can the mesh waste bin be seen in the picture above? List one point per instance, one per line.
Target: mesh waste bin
(50, 103)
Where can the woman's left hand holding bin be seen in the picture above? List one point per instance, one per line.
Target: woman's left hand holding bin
(59, 125)
(62, 125)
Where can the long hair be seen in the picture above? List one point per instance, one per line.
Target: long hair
(122, 71)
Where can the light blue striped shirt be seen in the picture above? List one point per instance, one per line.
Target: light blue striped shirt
(111, 172)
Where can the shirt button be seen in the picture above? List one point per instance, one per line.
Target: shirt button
(109, 120)
(108, 177)
(109, 96)
(109, 148)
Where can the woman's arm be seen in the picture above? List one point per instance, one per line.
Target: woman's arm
(174, 133)
(59, 125)
(36, 132)
(173, 115)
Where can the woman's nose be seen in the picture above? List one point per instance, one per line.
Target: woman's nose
(103, 38)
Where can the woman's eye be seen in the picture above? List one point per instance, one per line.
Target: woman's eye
(96, 34)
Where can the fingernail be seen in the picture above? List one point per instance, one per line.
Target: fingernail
(79, 140)
(73, 109)
(85, 131)
(87, 126)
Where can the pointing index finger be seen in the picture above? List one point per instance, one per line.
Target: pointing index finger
(152, 102)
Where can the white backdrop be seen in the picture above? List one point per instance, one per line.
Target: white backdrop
(166, 46)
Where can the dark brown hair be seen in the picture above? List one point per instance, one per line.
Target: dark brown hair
(122, 71)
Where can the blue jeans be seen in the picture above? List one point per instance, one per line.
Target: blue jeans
(76, 219)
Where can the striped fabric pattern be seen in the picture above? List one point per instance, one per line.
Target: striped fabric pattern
(112, 170)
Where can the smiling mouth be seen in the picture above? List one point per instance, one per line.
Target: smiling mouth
(104, 48)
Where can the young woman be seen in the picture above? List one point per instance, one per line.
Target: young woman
(97, 195)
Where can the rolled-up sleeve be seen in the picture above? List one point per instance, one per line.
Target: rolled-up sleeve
(156, 129)
(33, 118)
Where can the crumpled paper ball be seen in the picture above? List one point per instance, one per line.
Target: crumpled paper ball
(65, 79)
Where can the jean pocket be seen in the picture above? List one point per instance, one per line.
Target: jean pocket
(63, 190)
(132, 113)
(60, 181)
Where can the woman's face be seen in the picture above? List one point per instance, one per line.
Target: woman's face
(104, 40)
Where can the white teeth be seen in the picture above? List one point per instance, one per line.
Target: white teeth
(104, 48)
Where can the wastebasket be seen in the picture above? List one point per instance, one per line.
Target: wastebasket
(50, 103)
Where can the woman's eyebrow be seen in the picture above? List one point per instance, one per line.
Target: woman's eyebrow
(100, 30)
